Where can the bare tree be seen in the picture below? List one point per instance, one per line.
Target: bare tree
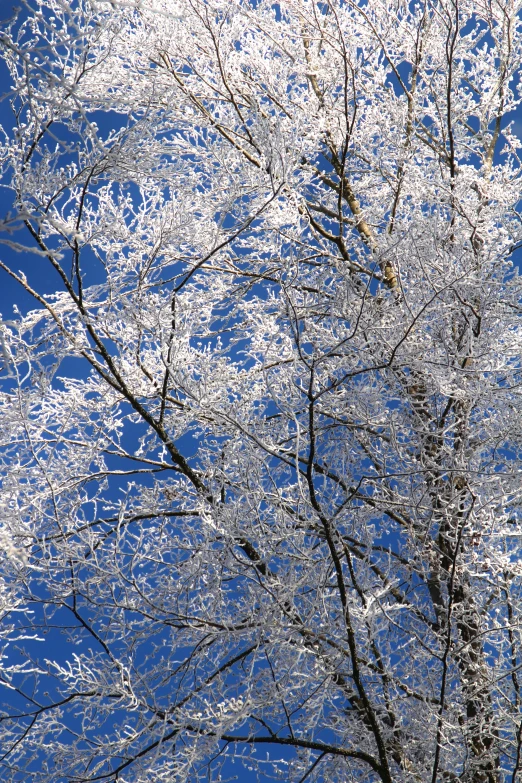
(261, 401)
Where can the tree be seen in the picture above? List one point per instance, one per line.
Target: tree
(261, 401)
